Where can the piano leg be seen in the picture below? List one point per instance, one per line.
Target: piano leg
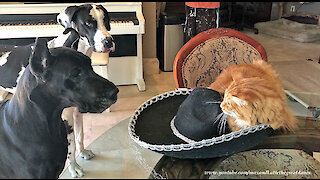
(141, 85)
(140, 81)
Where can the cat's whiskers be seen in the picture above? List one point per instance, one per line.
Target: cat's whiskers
(213, 102)
(222, 126)
(218, 117)
(222, 118)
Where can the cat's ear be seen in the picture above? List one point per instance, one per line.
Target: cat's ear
(239, 101)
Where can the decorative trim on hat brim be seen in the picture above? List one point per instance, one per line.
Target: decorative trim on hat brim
(184, 146)
(178, 134)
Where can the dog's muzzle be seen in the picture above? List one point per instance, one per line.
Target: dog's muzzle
(108, 45)
(102, 102)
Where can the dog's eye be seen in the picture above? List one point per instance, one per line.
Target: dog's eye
(75, 73)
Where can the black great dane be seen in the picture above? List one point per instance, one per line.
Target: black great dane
(33, 137)
(86, 30)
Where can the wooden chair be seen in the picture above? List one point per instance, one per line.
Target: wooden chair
(203, 57)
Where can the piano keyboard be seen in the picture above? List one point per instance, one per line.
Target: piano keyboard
(118, 17)
(51, 19)
(27, 19)
(53, 30)
(15, 25)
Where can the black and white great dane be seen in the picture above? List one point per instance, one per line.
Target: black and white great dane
(33, 136)
(86, 30)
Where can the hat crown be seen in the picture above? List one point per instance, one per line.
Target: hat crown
(196, 115)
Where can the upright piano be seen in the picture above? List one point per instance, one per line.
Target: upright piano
(23, 22)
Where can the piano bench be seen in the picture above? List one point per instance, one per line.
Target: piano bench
(99, 58)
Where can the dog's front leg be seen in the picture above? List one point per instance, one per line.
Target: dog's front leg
(78, 130)
(74, 169)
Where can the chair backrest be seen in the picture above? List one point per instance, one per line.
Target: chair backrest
(203, 57)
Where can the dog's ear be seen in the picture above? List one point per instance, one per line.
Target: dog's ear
(40, 58)
(106, 19)
(73, 38)
(65, 17)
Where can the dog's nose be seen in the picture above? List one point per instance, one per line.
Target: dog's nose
(108, 42)
(113, 93)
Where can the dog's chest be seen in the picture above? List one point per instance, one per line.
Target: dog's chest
(30, 143)
(47, 159)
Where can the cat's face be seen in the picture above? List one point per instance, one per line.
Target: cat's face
(238, 109)
(232, 105)
(243, 100)
(239, 96)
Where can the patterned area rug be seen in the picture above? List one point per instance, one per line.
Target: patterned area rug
(290, 30)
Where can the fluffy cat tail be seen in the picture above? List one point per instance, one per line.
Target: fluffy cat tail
(290, 121)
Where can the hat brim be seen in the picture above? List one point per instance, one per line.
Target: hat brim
(150, 127)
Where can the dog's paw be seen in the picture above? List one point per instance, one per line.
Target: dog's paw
(86, 154)
(75, 170)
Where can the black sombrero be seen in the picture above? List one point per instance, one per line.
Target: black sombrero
(187, 124)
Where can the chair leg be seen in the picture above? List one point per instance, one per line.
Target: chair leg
(218, 17)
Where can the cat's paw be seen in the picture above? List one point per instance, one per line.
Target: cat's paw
(86, 154)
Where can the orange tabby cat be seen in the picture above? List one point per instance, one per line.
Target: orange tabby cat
(253, 94)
